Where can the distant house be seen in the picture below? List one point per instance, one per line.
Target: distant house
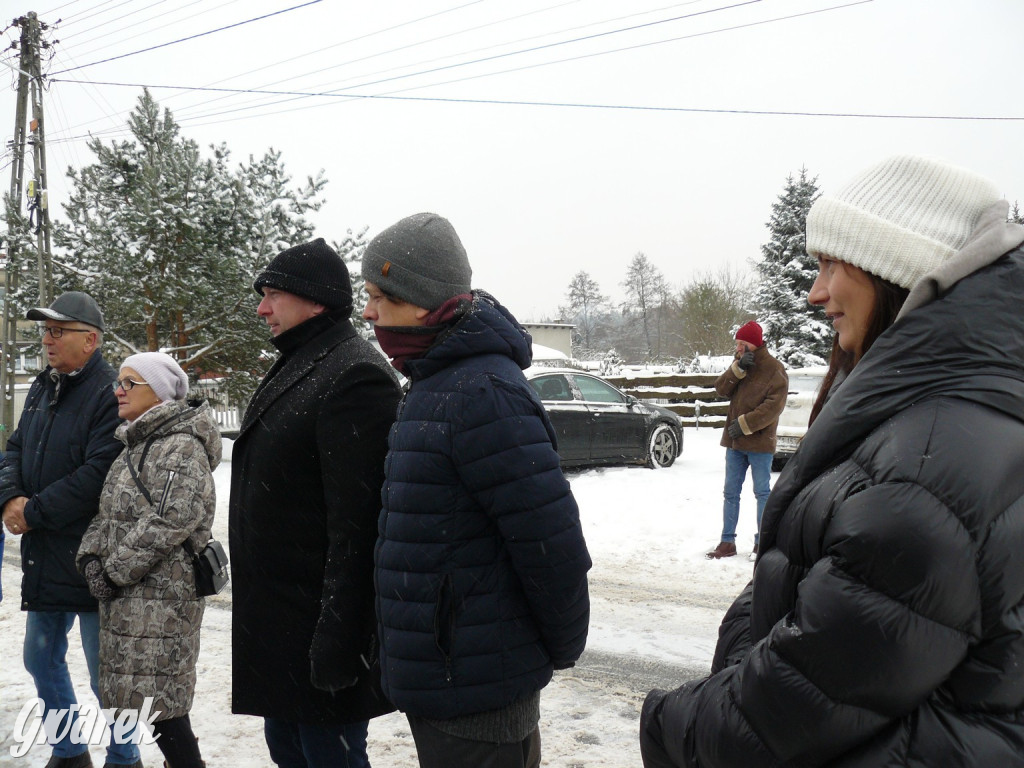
(549, 356)
(556, 336)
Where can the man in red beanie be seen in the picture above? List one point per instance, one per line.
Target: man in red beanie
(756, 385)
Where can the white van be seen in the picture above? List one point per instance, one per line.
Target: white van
(804, 384)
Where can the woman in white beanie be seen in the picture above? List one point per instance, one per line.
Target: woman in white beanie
(884, 625)
(158, 496)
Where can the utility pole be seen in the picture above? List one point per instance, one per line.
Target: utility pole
(26, 132)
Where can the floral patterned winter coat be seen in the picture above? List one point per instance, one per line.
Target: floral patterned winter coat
(149, 632)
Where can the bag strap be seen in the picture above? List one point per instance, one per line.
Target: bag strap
(135, 474)
(145, 492)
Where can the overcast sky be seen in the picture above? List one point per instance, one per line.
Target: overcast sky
(678, 153)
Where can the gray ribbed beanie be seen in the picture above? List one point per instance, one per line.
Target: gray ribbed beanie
(161, 372)
(420, 259)
(900, 219)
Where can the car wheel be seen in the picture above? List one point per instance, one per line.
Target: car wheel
(663, 447)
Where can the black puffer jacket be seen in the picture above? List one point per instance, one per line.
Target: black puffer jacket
(885, 622)
(481, 566)
(58, 457)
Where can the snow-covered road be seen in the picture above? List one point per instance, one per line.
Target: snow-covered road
(656, 605)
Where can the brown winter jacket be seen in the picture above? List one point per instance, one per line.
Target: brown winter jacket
(149, 632)
(756, 399)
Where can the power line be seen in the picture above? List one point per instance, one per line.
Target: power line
(106, 24)
(54, 10)
(516, 53)
(264, 103)
(79, 13)
(190, 37)
(621, 50)
(334, 45)
(594, 36)
(258, 104)
(565, 104)
(149, 22)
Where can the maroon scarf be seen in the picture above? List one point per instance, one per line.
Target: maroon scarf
(402, 343)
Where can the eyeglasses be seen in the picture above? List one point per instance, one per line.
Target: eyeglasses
(56, 331)
(128, 384)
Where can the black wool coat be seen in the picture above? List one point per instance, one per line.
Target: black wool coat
(307, 468)
(58, 457)
(884, 625)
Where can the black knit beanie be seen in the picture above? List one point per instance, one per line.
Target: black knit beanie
(312, 270)
(420, 260)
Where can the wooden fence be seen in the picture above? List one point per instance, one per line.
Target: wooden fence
(691, 395)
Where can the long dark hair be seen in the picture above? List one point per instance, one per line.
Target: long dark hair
(889, 298)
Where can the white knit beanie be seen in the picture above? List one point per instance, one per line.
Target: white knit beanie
(900, 219)
(161, 372)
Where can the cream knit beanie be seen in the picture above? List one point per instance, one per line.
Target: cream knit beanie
(161, 372)
(900, 219)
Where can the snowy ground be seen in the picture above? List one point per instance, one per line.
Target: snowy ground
(656, 604)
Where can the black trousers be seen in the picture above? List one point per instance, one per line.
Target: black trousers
(178, 742)
(437, 749)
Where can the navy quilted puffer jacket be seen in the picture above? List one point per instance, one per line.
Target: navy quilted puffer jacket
(481, 566)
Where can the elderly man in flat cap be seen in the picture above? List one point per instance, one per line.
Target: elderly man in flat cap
(50, 481)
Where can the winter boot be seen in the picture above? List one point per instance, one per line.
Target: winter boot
(725, 549)
(78, 761)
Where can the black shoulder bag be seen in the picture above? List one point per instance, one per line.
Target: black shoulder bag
(209, 566)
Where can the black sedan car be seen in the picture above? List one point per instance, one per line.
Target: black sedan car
(598, 424)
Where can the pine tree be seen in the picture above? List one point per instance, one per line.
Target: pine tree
(169, 243)
(351, 250)
(1016, 217)
(795, 331)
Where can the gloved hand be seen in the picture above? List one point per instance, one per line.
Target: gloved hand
(735, 430)
(746, 361)
(100, 585)
(327, 677)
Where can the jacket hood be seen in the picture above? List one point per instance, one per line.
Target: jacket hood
(992, 237)
(967, 343)
(482, 327)
(176, 418)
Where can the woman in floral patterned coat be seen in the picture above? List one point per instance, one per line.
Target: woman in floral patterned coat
(132, 555)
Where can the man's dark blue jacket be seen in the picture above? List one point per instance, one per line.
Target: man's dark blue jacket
(58, 457)
(481, 566)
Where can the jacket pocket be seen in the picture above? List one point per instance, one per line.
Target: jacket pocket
(444, 622)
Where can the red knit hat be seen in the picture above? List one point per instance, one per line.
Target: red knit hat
(751, 332)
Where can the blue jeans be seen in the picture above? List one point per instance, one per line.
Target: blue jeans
(45, 654)
(736, 463)
(300, 745)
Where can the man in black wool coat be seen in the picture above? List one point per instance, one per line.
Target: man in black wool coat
(307, 468)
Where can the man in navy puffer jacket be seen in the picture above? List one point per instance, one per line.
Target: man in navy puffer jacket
(481, 566)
